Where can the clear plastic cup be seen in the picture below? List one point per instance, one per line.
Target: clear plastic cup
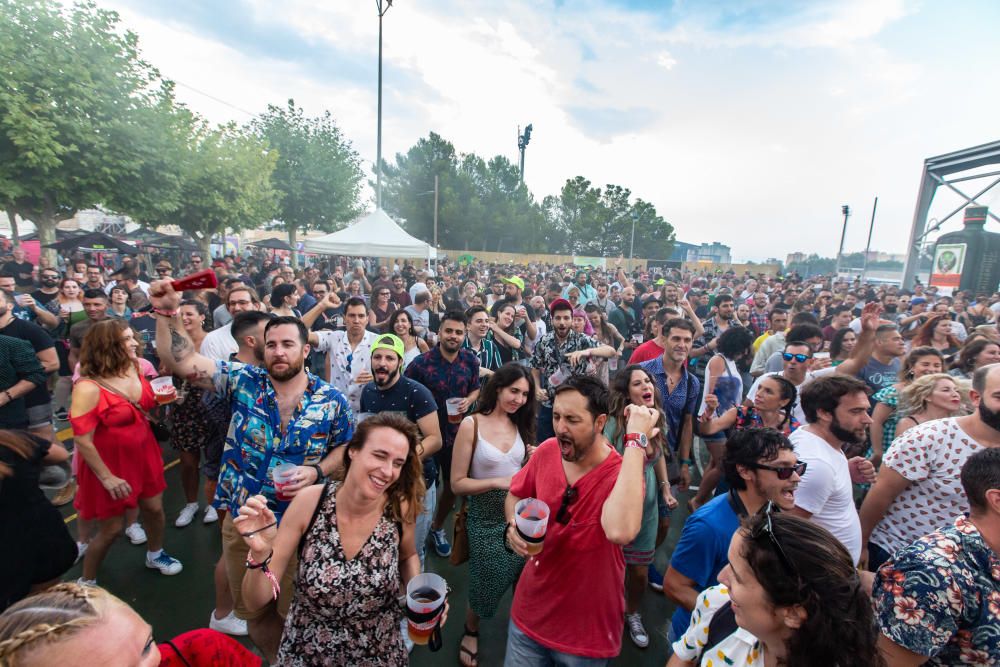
(425, 596)
(454, 410)
(163, 389)
(531, 516)
(282, 474)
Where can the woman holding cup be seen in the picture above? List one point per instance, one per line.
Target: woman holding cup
(354, 537)
(491, 446)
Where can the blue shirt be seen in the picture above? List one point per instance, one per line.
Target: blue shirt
(703, 550)
(255, 443)
(683, 401)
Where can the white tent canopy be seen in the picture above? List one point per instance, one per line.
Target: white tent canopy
(372, 235)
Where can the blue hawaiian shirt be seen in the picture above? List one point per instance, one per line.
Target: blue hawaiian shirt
(940, 597)
(255, 443)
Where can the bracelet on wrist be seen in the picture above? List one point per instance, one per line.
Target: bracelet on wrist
(165, 313)
(687, 462)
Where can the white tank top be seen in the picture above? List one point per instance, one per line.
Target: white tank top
(489, 462)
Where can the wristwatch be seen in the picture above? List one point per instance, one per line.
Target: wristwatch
(636, 440)
(320, 475)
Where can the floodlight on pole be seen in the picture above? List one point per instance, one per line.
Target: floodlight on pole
(522, 143)
(846, 210)
(382, 6)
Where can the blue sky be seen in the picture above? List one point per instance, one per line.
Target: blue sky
(748, 123)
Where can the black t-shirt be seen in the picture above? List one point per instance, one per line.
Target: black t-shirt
(40, 340)
(42, 298)
(21, 272)
(407, 397)
(145, 324)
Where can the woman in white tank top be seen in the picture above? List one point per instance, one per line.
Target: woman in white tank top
(491, 446)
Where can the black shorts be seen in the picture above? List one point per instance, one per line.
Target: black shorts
(443, 458)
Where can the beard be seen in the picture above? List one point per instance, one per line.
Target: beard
(383, 381)
(293, 369)
(990, 418)
(575, 451)
(844, 435)
(891, 308)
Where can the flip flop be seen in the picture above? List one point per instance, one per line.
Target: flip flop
(474, 657)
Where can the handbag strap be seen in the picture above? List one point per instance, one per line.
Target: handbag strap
(121, 394)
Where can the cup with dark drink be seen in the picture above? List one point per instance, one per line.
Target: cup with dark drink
(531, 517)
(455, 413)
(282, 476)
(164, 390)
(425, 597)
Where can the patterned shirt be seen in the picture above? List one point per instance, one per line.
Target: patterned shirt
(488, 353)
(550, 356)
(344, 363)
(17, 362)
(758, 322)
(255, 443)
(446, 380)
(940, 597)
(739, 648)
(682, 401)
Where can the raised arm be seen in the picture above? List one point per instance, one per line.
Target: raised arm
(173, 346)
(866, 342)
(621, 515)
(331, 300)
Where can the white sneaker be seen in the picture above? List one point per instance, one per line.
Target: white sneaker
(81, 549)
(228, 624)
(211, 515)
(86, 582)
(187, 515)
(135, 534)
(636, 630)
(165, 563)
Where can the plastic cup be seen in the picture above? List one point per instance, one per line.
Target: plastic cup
(282, 475)
(531, 516)
(613, 363)
(454, 410)
(560, 376)
(821, 355)
(163, 389)
(425, 596)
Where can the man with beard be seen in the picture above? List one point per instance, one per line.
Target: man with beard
(760, 466)
(447, 371)
(569, 604)
(725, 313)
(24, 307)
(919, 486)
(348, 352)
(281, 414)
(561, 352)
(48, 280)
(391, 391)
(836, 409)
(524, 314)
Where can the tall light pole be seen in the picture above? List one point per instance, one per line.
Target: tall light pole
(522, 143)
(871, 228)
(846, 210)
(383, 6)
(631, 245)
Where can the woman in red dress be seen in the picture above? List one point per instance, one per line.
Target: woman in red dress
(124, 464)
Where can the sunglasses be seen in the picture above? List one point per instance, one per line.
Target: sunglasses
(783, 472)
(569, 497)
(801, 358)
(767, 527)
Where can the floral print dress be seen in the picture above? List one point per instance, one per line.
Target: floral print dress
(345, 612)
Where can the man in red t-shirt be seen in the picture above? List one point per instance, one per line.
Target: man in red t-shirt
(569, 600)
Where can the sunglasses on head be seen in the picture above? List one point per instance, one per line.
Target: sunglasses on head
(783, 472)
(801, 358)
(569, 497)
(767, 527)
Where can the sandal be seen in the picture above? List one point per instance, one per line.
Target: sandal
(473, 657)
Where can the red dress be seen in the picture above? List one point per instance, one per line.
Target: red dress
(128, 448)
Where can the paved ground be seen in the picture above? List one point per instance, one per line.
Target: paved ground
(183, 602)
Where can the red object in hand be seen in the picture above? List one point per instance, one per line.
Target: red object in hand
(205, 279)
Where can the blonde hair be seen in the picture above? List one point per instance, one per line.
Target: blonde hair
(913, 398)
(52, 616)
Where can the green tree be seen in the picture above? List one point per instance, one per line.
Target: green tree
(225, 183)
(84, 121)
(318, 173)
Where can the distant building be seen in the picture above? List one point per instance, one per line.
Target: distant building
(714, 252)
(795, 258)
(681, 250)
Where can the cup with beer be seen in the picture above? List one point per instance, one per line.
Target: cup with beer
(282, 477)
(163, 389)
(531, 517)
(455, 410)
(425, 597)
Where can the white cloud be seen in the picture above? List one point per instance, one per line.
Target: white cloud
(665, 60)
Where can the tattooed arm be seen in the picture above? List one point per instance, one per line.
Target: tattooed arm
(173, 345)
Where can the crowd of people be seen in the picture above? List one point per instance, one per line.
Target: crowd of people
(342, 420)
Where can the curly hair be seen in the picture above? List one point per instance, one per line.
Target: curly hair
(619, 398)
(926, 332)
(49, 617)
(103, 353)
(406, 494)
(839, 629)
(735, 342)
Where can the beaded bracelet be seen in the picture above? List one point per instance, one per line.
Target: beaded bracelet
(263, 567)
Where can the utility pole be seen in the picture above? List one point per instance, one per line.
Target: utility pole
(846, 210)
(871, 228)
(435, 222)
(522, 143)
(382, 9)
(631, 245)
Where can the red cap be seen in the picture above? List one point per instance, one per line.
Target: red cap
(560, 304)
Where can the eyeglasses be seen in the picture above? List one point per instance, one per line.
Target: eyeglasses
(768, 528)
(569, 497)
(784, 472)
(801, 358)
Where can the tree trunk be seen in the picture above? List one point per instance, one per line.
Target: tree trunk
(206, 250)
(15, 235)
(45, 223)
(291, 241)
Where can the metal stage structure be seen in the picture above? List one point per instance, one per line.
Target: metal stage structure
(948, 170)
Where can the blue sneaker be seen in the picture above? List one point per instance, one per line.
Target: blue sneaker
(655, 579)
(441, 545)
(165, 563)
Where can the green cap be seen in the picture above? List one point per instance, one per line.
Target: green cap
(515, 281)
(390, 342)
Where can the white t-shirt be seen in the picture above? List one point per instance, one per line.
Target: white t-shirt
(797, 405)
(930, 456)
(219, 343)
(826, 490)
(345, 364)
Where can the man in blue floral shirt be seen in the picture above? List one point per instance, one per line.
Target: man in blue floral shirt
(938, 600)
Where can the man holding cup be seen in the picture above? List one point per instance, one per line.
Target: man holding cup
(595, 498)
